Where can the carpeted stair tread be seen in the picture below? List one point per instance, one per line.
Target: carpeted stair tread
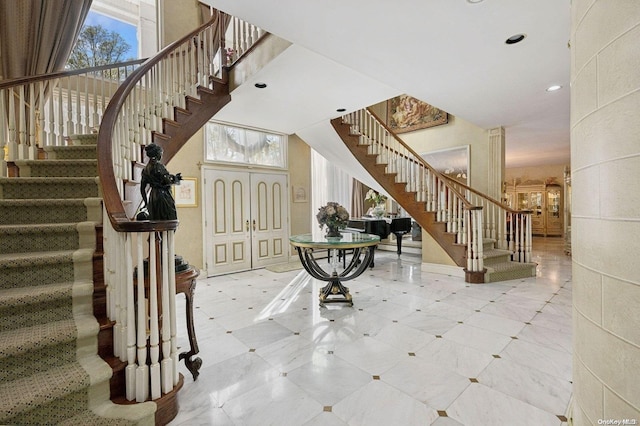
(34, 269)
(64, 210)
(71, 152)
(58, 168)
(48, 187)
(495, 253)
(82, 139)
(506, 271)
(24, 296)
(39, 237)
(509, 266)
(42, 387)
(27, 339)
(88, 417)
(10, 260)
(28, 306)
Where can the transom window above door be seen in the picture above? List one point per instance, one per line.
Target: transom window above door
(230, 144)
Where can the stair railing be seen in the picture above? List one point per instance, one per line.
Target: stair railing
(145, 315)
(239, 37)
(462, 218)
(41, 111)
(141, 300)
(511, 229)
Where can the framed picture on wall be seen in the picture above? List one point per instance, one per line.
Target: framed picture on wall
(406, 114)
(186, 194)
(299, 194)
(453, 162)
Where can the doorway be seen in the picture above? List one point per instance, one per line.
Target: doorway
(246, 220)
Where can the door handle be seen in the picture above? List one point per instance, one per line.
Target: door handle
(247, 223)
(254, 224)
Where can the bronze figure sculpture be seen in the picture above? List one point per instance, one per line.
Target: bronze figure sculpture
(160, 204)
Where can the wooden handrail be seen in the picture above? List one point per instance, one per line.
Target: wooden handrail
(467, 204)
(466, 187)
(5, 84)
(111, 197)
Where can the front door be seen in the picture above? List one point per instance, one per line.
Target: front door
(246, 220)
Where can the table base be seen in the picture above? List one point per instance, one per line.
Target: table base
(335, 292)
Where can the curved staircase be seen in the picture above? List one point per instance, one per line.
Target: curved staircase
(49, 365)
(489, 240)
(69, 347)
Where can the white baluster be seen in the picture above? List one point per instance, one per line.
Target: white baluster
(172, 306)
(154, 338)
(130, 370)
(142, 372)
(167, 363)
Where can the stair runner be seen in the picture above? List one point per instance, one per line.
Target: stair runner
(50, 371)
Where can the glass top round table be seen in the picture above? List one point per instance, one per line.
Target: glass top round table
(362, 248)
(347, 241)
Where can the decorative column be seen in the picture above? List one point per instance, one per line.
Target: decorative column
(496, 163)
(605, 171)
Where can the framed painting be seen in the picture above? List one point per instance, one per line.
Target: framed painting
(299, 194)
(406, 114)
(186, 194)
(453, 162)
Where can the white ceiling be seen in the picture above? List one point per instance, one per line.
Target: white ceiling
(449, 53)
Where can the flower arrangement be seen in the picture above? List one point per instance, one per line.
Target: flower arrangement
(375, 197)
(333, 215)
(229, 52)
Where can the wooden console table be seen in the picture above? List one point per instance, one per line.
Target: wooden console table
(186, 283)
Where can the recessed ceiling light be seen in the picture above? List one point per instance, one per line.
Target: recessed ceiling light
(474, 1)
(341, 110)
(553, 88)
(517, 38)
(260, 85)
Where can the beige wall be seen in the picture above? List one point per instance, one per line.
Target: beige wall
(177, 18)
(189, 242)
(605, 161)
(535, 174)
(300, 176)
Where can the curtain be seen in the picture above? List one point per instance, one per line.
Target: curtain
(37, 36)
(357, 199)
(330, 183)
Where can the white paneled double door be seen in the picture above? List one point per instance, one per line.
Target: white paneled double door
(246, 220)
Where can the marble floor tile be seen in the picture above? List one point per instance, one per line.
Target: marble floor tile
(288, 354)
(371, 355)
(405, 338)
(278, 403)
(495, 323)
(429, 383)
(328, 378)
(529, 385)
(551, 361)
(547, 337)
(480, 405)
(462, 359)
(371, 405)
(483, 340)
(261, 334)
(416, 348)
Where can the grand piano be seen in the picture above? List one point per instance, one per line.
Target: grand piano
(381, 227)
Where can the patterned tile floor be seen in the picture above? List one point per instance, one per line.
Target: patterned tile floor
(415, 349)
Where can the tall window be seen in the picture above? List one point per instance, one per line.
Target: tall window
(330, 183)
(224, 143)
